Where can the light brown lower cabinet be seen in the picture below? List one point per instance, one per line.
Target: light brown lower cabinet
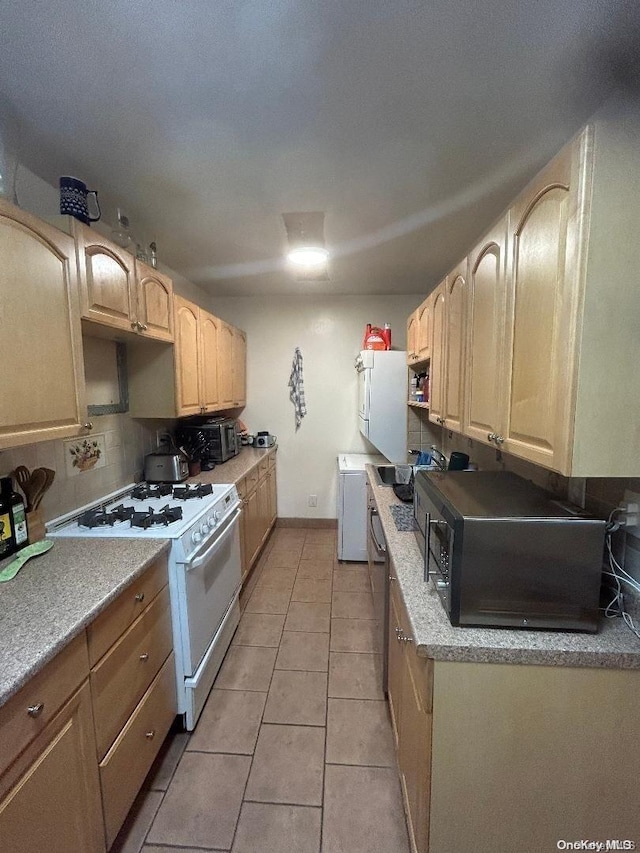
(50, 796)
(257, 491)
(61, 789)
(502, 756)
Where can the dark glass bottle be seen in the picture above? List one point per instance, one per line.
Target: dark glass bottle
(7, 539)
(18, 517)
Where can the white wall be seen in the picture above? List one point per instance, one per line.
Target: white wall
(329, 331)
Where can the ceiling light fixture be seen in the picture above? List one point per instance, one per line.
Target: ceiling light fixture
(306, 251)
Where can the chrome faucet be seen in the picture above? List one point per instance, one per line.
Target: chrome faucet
(439, 458)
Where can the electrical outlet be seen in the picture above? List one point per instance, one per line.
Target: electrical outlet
(313, 500)
(631, 500)
(160, 434)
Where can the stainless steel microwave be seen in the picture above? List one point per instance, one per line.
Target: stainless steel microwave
(502, 553)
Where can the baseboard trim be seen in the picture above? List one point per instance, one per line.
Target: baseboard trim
(324, 523)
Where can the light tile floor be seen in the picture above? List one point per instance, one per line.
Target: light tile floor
(294, 751)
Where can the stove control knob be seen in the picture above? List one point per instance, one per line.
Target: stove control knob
(204, 528)
(217, 515)
(196, 537)
(212, 521)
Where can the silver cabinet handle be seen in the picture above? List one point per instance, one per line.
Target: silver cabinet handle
(134, 324)
(139, 596)
(391, 579)
(491, 436)
(143, 327)
(144, 656)
(35, 710)
(150, 735)
(88, 425)
(499, 439)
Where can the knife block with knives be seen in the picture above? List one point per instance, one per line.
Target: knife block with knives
(34, 484)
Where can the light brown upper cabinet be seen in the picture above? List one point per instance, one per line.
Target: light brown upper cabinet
(438, 354)
(485, 334)
(239, 364)
(210, 328)
(446, 395)
(455, 344)
(118, 291)
(412, 338)
(225, 364)
(424, 316)
(566, 393)
(43, 390)
(154, 303)
(194, 377)
(419, 332)
(188, 355)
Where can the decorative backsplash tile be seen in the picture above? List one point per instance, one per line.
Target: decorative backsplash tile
(83, 454)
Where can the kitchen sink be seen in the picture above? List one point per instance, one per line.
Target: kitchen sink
(387, 474)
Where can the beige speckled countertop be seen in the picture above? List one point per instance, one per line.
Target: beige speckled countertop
(56, 595)
(233, 469)
(613, 646)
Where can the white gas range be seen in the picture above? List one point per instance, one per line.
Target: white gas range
(204, 568)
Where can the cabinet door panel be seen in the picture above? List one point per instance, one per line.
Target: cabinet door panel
(209, 343)
(187, 344)
(486, 319)
(239, 381)
(456, 298)
(425, 320)
(154, 303)
(106, 280)
(539, 342)
(43, 377)
(436, 375)
(225, 364)
(52, 800)
(412, 338)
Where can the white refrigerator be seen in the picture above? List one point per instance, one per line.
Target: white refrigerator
(352, 504)
(382, 401)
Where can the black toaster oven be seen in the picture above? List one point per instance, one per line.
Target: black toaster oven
(213, 439)
(502, 553)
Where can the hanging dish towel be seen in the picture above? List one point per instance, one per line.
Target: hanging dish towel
(296, 384)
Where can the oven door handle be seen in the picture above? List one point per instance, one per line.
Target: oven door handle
(381, 548)
(197, 562)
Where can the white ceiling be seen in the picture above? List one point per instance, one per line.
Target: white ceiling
(411, 124)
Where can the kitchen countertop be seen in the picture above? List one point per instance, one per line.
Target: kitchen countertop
(56, 595)
(614, 646)
(233, 469)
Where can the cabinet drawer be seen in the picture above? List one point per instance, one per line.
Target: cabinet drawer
(263, 467)
(114, 621)
(251, 480)
(50, 688)
(123, 769)
(125, 672)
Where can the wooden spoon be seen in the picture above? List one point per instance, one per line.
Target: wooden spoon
(49, 477)
(22, 475)
(34, 488)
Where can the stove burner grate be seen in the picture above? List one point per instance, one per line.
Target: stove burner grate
(145, 491)
(165, 516)
(101, 518)
(195, 490)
